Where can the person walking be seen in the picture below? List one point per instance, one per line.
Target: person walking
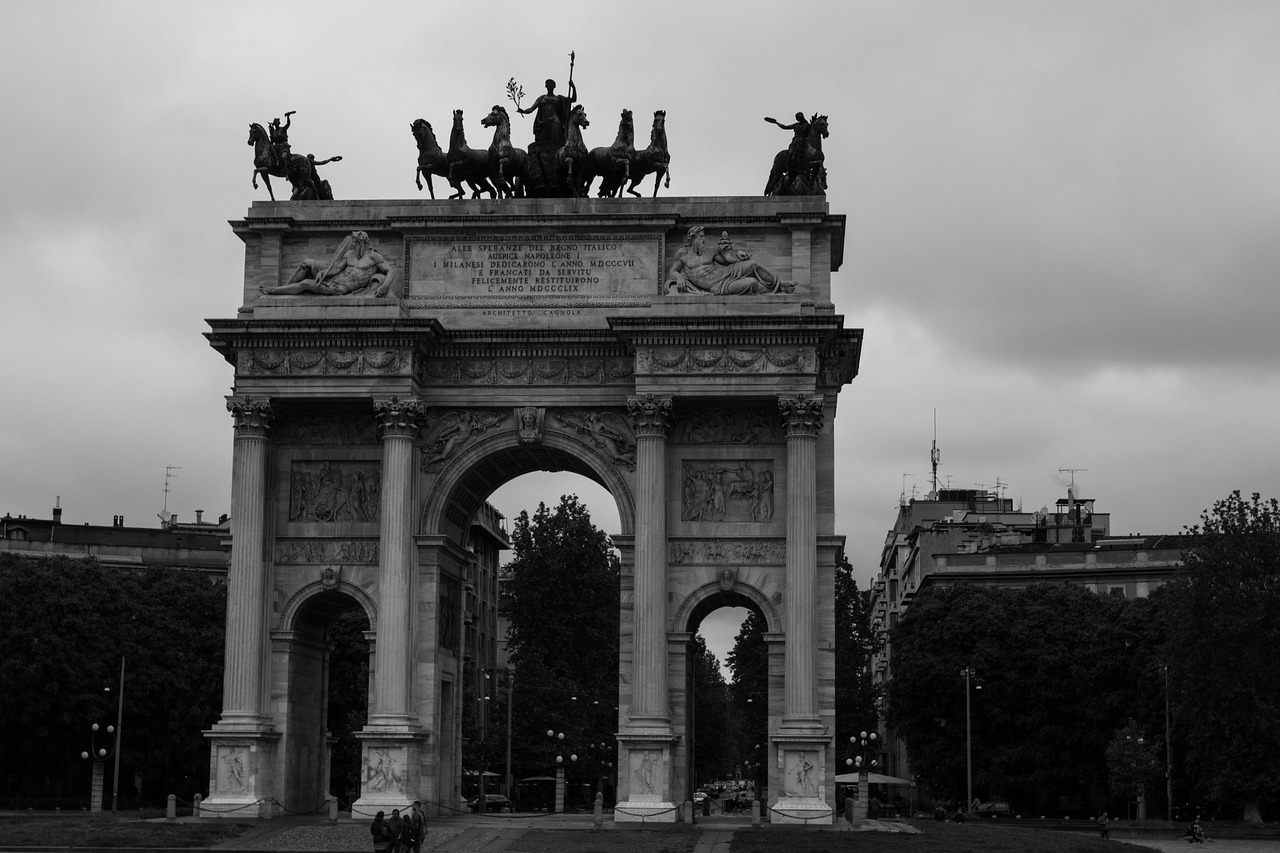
(381, 834)
(1104, 825)
(395, 831)
(418, 821)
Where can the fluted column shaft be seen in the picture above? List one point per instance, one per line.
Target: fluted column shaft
(399, 423)
(247, 574)
(802, 417)
(651, 417)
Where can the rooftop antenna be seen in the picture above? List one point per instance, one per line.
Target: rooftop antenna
(902, 498)
(933, 453)
(1000, 485)
(1073, 475)
(164, 514)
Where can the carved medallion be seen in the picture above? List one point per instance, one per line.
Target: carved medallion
(530, 420)
(329, 576)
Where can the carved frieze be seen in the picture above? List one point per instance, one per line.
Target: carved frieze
(326, 552)
(766, 360)
(737, 551)
(341, 427)
(724, 490)
(328, 491)
(605, 430)
(727, 426)
(455, 430)
(315, 362)
(525, 371)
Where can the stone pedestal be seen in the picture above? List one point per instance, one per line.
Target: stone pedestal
(646, 774)
(802, 782)
(241, 777)
(388, 772)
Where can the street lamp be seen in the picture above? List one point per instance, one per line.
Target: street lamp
(968, 674)
(864, 743)
(98, 755)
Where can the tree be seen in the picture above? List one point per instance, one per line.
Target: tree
(714, 729)
(348, 700)
(1223, 632)
(563, 588)
(855, 694)
(1133, 763)
(64, 625)
(1054, 671)
(749, 663)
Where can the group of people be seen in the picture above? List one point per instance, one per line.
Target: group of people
(399, 834)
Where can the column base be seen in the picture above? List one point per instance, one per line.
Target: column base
(644, 778)
(241, 772)
(803, 786)
(389, 777)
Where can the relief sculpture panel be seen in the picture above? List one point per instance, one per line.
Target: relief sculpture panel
(727, 490)
(334, 491)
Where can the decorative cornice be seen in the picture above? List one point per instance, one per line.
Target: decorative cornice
(650, 415)
(801, 415)
(252, 417)
(399, 418)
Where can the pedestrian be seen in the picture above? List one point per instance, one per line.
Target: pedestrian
(1103, 824)
(419, 823)
(381, 835)
(395, 829)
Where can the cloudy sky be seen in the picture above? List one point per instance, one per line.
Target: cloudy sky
(1062, 221)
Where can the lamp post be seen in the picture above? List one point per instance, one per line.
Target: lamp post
(1168, 749)
(559, 804)
(864, 744)
(98, 755)
(968, 674)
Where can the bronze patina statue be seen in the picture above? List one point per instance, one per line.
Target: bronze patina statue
(272, 156)
(613, 164)
(720, 271)
(508, 165)
(466, 163)
(552, 120)
(801, 169)
(654, 160)
(433, 161)
(354, 267)
(571, 159)
(551, 130)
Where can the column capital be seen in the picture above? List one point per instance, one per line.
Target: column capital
(398, 417)
(252, 417)
(650, 415)
(801, 415)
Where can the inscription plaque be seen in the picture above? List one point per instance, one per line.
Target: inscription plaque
(539, 266)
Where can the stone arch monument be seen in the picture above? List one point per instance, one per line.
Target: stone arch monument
(395, 362)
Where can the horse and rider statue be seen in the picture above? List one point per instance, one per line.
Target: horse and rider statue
(801, 168)
(272, 156)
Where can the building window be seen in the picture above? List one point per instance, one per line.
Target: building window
(1116, 590)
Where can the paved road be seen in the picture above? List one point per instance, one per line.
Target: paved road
(1226, 845)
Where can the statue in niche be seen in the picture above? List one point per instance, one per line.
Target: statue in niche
(801, 169)
(645, 773)
(454, 430)
(722, 271)
(608, 432)
(354, 267)
(234, 762)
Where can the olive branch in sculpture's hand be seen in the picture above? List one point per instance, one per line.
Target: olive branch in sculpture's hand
(515, 92)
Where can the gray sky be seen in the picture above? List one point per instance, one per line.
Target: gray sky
(1061, 220)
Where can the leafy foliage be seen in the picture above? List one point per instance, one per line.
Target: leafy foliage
(64, 625)
(563, 595)
(1223, 618)
(749, 663)
(1133, 761)
(855, 694)
(1058, 669)
(715, 732)
(348, 700)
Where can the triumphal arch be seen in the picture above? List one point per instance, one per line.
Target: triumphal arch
(397, 361)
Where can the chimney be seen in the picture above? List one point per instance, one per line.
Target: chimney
(199, 516)
(57, 510)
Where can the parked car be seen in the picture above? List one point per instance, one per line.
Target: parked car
(492, 803)
(994, 809)
(698, 797)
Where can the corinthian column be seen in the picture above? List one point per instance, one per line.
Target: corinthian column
(399, 423)
(802, 418)
(650, 418)
(247, 575)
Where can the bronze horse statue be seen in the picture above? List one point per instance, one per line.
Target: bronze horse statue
(300, 171)
(613, 164)
(806, 176)
(431, 160)
(571, 165)
(508, 165)
(465, 163)
(653, 160)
